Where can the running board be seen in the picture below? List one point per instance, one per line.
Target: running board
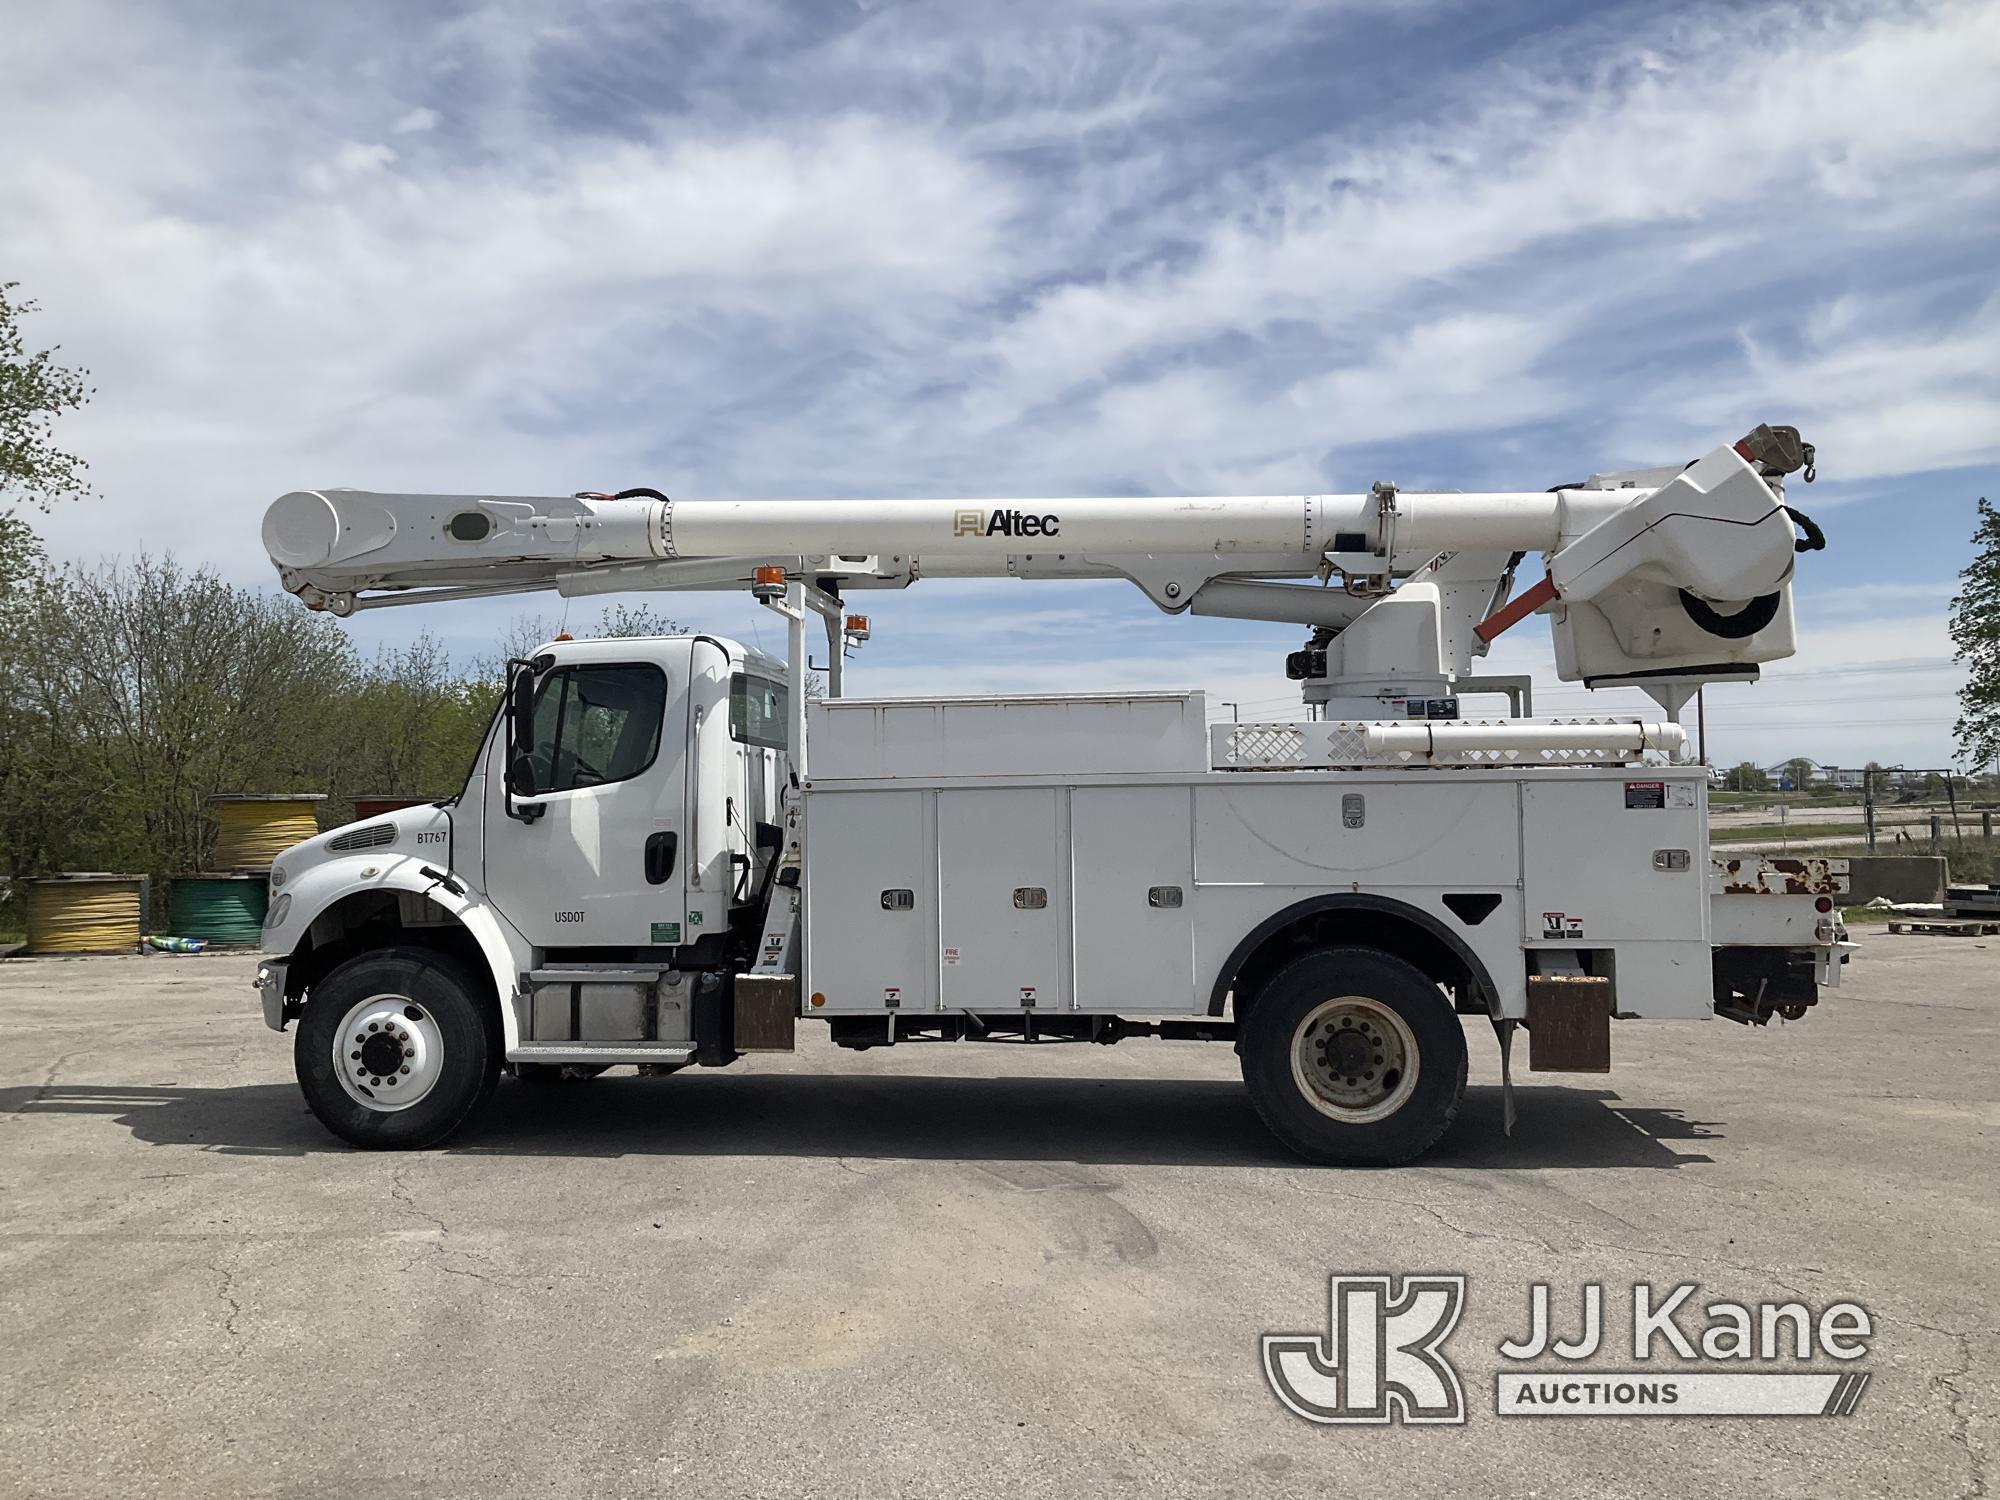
(601, 1052)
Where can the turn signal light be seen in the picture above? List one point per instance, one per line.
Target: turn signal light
(818, 999)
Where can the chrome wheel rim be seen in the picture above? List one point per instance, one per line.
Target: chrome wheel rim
(388, 1053)
(1354, 1059)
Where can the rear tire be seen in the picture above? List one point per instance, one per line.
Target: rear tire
(397, 1049)
(1353, 1058)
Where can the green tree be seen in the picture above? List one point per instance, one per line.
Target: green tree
(147, 688)
(1975, 632)
(34, 390)
(408, 727)
(1748, 777)
(1799, 772)
(21, 565)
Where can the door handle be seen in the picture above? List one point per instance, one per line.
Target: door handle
(660, 851)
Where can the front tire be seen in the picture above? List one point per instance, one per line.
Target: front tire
(1353, 1058)
(397, 1049)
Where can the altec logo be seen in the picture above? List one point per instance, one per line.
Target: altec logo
(1003, 523)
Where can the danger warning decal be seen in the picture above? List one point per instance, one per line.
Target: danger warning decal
(1644, 794)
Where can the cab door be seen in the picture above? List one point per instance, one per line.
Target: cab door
(601, 864)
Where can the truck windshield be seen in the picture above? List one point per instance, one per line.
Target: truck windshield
(757, 711)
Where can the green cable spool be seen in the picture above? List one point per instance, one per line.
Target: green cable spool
(223, 909)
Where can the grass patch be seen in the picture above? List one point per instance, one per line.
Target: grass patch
(1770, 831)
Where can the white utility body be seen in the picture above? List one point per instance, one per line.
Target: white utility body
(667, 855)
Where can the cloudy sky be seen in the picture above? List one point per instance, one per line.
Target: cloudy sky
(744, 248)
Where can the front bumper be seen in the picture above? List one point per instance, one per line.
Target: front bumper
(270, 987)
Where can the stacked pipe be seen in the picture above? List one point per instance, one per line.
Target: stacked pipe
(85, 912)
(227, 910)
(254, 828)
(225, 906)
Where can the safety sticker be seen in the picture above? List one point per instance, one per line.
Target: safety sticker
(1558, 925)
(1659, 794)
(950, 957)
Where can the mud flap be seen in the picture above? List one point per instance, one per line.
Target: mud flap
(767, 1007)
(1569, 1023)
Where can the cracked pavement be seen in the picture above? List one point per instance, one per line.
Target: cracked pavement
(960, 1270)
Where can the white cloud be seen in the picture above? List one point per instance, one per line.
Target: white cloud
(753, 248)
(1532, 188)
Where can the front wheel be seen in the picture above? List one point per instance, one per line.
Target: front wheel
(1353, 1058)
(396, 1050)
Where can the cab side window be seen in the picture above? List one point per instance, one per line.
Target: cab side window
(596, 724)
(757, 711)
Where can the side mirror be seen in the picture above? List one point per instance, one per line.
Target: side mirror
(521, 776)
(521, 707)
(520, 739)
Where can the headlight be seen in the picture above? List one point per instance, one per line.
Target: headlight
(280, 909)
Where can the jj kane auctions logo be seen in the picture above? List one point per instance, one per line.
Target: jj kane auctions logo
(1382, 1358)
(1003, 523)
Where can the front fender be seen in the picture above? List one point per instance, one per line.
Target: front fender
(313, 892)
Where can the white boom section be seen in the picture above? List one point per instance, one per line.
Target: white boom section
(347, 540)
(331, 545)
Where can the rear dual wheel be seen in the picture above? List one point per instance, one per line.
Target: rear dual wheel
(1353, 1058)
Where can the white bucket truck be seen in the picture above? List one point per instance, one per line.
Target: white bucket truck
(665, 856)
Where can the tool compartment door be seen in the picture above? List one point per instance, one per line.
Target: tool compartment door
(1592, 881)
(1003, 904)
(871, 901)
(1588, 844)
(1133, 862)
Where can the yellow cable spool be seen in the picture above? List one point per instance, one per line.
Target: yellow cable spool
(254, 830)
(84, 913)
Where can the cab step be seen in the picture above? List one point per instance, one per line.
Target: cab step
(667, 1053)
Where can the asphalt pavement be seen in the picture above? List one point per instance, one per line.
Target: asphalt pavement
(955, 1269)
